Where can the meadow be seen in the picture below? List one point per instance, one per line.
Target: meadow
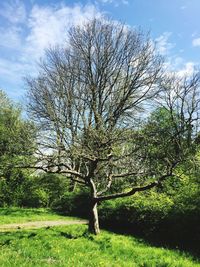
(72, 246)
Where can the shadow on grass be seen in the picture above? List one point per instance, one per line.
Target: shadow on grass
(157, 239)
(6, 238)
(44, 236)
(163, 237)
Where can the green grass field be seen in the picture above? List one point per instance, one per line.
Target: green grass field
(18, 215)
(72, 246)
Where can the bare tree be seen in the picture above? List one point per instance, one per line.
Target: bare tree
(168, 138)
(86, 103)
(182, 98)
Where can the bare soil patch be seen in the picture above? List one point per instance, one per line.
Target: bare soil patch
(39, 224)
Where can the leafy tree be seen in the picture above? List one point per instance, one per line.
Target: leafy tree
(44, 190)
(16, 144)
(89, 100)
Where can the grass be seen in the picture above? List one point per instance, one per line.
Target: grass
(71, 246)
(19, 215)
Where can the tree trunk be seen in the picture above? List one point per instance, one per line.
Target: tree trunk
(94, 219)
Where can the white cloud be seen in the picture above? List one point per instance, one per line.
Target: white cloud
(115, 2)
(173, 62)
(196, 42)
(107, 1)
(14, 11)
(10, 38)
(11, 72)
(177, 64)
(48, 25)
(11, 69)
(162, 43)
(43, 26)
(188, 69)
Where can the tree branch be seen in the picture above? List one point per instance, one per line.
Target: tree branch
(134, 190)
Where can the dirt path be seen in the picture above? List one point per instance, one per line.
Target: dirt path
(38, 224)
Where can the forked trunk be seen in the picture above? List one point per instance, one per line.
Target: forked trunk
(94, 219)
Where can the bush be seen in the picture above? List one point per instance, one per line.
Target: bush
(23, 190)
(71, 203)
(143, 212)
(13, 187)
(165, 219)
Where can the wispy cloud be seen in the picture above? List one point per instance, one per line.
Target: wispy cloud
(196, 42)
(187, 69)
(106, 1)
(48, 25)
(174, 63)
(11, 72)
(178, 65)
(163, 45)
(14, 11)
(116, 3)
(26, 42)
(10, 37)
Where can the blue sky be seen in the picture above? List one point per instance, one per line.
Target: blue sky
(28, 27)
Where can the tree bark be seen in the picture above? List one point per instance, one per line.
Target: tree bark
(94, 219)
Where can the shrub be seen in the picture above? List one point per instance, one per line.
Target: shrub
(73, 204)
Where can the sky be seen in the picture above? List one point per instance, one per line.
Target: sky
(29, 27)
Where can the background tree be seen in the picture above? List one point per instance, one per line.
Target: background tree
(88, 101)
(16, 144)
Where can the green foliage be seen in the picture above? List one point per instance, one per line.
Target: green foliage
(166, 139)
(13, 187)
(17, 137)
(143, 211)
(25, 190)
(16, 134)
(44, 190)
(171, 217)
(17, 144)
(73, 203)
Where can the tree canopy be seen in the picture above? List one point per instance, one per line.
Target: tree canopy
(16, 133)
